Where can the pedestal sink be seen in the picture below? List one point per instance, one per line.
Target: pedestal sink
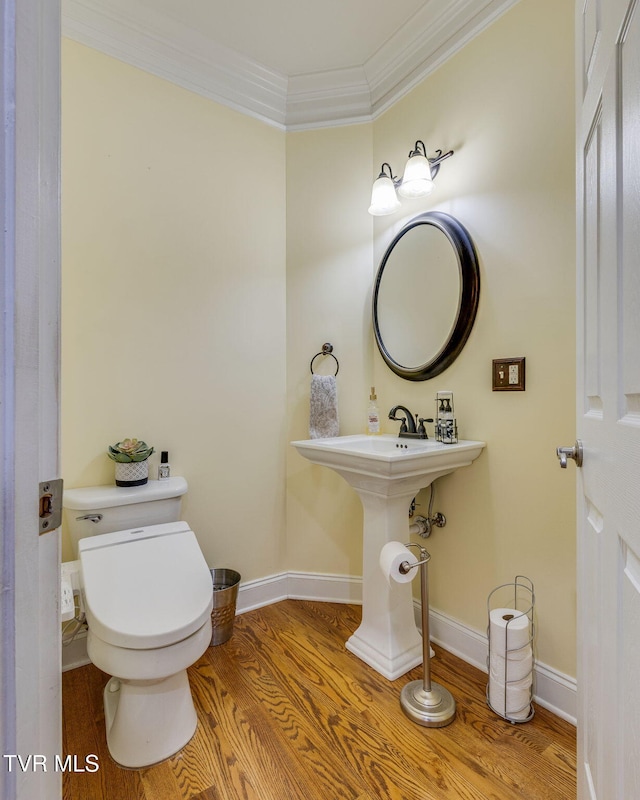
(387, 472)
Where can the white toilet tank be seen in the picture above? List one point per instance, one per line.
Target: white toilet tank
(93, 510)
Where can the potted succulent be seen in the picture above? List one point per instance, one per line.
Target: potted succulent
(130, 456)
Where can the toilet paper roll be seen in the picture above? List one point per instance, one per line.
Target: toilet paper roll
(392, 555)
(515, 702)
(508, 631)
(516, 667)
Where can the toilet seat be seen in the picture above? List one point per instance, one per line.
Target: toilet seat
(148, 665)
(145, 588)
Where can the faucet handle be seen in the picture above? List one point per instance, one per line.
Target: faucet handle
(421, 428)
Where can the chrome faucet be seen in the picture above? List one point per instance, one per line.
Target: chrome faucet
(410, 428)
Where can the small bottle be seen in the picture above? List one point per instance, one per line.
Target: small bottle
(164, 470)
(373, 415)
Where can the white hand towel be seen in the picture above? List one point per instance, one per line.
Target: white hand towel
(323, 407)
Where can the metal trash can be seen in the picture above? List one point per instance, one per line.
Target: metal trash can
(225, 593)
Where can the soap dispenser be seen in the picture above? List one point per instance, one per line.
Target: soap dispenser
(373, 415)
(446, 423)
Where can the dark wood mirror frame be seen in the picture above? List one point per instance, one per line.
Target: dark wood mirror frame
(469, 268)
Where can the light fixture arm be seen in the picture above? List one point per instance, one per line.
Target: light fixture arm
(396, 181)
(419, 149)
(435, 162)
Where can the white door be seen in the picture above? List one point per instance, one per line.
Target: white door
(608, 401)
(30, 717)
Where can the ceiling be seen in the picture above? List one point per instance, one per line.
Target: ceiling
(292, 63)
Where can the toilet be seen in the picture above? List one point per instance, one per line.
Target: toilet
(147, 593)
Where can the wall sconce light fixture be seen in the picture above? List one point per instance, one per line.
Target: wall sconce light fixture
(417, 181)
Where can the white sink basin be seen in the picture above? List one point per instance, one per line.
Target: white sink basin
(388, 458)
(387, 472)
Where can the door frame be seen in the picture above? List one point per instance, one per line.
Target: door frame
(30, 698)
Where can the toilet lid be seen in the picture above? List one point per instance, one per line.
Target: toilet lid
(145, 587)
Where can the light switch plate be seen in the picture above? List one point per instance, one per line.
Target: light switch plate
(508, 374)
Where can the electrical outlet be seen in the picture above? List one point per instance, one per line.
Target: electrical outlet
(508, 374)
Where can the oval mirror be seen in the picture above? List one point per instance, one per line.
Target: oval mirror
(426, 295)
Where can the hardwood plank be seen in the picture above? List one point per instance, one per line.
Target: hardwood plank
(379, 710)
(279, 725)
(491, 767)
(159, 782)
(286, 711)
(208, 794)
(253, 739)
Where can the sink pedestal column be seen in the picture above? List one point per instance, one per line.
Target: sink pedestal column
(387, 473)
(387, 639)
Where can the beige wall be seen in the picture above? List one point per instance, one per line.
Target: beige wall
(174, 298)
(505, 105)
(147, 226)
(329, 271)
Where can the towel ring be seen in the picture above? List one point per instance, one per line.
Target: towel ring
(327, 350)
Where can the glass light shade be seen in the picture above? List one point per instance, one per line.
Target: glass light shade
(384, 199)
(417, 180)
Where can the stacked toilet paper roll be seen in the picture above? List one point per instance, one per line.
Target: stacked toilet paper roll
(392, 556)
(510, 663)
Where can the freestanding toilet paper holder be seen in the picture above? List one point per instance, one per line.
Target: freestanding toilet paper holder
(423, 701)
(520, 596)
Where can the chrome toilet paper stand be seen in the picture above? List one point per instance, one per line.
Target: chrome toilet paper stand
(425, 702)
(523, 595)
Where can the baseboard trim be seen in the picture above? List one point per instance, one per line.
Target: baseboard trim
(554, 690)
(299, 586)
(74, 654)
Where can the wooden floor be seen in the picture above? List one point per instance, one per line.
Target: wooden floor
(286, 713)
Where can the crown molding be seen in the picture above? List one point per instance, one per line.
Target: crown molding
(178, 54)
(435, 33)
(335, 97)
(166, 48)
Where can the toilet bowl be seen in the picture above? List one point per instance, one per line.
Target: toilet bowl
(148, 600)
